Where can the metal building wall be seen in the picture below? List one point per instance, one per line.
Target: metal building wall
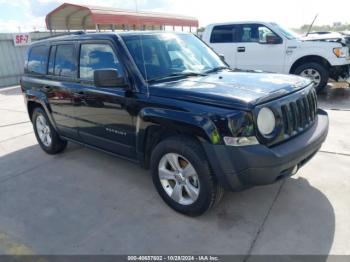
(12, 58)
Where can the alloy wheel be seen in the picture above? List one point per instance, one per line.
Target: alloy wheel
(312, 74)
(179, 179)
(43, 130)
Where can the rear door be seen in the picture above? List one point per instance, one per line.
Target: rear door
(104, 115)
(254, 52)
(223, 40)
(62, 76)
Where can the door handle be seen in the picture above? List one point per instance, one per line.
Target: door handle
(47, 88)
(241, 49)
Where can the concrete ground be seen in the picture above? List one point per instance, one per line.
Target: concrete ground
(87, 202)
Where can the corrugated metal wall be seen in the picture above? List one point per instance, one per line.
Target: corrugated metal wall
(12, 58)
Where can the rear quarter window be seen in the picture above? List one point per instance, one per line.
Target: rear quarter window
(37, 60)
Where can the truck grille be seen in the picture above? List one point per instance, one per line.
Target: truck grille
(299, 114)
(294, 114)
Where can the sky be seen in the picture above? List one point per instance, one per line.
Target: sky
(29, 15)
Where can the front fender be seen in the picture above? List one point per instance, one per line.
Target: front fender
(319, 52)
(179, 121)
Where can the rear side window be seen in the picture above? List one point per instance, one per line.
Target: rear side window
(65, 61)
(37, 60)
(97, 56)
(223, 34)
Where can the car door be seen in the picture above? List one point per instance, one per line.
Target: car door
(104, 115)
(255, 50)
(223, 40)
(62, 78)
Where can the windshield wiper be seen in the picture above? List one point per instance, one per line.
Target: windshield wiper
(175, 75)
(217, 69)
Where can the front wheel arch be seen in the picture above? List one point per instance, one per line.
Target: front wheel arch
(309, 59)
(154, 135)
(318, 70)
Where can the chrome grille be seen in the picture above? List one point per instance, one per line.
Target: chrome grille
(299, 114)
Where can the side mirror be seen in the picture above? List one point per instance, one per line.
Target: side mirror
(272, 39)
(108, 78)
(222, 57)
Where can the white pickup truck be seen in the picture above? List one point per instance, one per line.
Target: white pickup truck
(269, 47)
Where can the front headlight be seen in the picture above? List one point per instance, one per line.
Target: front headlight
(341, 52)
(266, 121)
(241, 130)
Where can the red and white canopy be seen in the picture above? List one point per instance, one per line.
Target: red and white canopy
(83, 17)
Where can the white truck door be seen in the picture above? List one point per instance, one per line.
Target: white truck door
(223, 38)
(259, 48)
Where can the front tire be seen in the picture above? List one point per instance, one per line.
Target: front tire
(316, 72)
(182, 176)
(45, 133)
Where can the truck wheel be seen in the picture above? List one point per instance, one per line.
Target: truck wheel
(182, 176)
(46, 135)
(316, 72)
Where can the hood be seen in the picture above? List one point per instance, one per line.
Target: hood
(328, 36)
(321, 42)
(231, 89)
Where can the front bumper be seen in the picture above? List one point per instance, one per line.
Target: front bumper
(340, 73)
(237, 168)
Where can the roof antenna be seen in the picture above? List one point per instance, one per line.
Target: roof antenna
(141, 45)
(310, 27)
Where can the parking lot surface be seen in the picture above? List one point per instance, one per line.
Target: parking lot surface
(87, 202)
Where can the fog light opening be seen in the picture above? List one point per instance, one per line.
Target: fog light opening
(240, 141)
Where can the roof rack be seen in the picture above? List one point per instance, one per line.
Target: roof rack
(63, 34)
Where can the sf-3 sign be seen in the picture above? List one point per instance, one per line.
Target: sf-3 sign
(21, 39)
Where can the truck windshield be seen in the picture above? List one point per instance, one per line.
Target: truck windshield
(165, 55)
(287, 33)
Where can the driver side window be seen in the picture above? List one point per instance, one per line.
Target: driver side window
(249, 33)
(97, 56)
(255, 33)
(264, 33)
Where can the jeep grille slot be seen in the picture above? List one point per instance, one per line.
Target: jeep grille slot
(299, 114)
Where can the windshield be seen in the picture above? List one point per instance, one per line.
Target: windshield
(286, 32)
(164, 55)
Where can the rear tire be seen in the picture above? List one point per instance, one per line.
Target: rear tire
(316, 72)
(46, 134)
(198, 189)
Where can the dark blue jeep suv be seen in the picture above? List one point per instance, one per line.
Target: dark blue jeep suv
(168, 102)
